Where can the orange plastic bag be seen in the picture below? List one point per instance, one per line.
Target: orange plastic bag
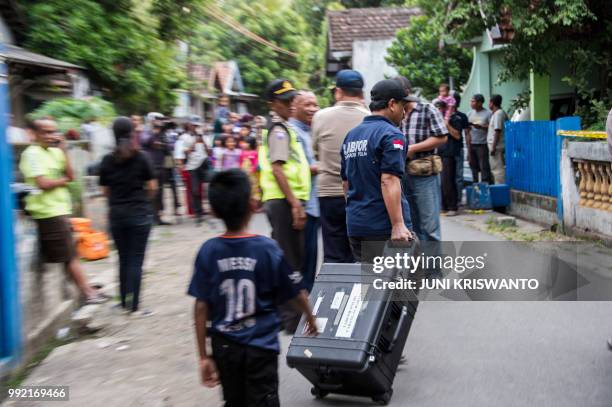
(80, 224)
(93, 245)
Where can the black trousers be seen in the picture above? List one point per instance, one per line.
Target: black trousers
(449, 184)
(291, 241)
(249, 375)
(165, 176)
(196, 177)
(479, 163)
(131, 235)
(336, 246)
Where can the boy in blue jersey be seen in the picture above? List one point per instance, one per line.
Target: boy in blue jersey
(239, 281)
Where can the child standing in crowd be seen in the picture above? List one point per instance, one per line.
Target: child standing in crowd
(217, 154)
(445, 96)
(231, 154)
(243, 328)
(249, 164)
(245, 131)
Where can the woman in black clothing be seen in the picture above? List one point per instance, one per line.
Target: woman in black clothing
(128, 180)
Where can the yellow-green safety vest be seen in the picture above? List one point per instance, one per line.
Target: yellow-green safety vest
(296, 169)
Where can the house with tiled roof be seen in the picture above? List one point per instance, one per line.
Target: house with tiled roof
(359, 38)
(209, 82)
(34, 78)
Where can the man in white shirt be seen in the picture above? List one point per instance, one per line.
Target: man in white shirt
(191, 153)
(495, 140)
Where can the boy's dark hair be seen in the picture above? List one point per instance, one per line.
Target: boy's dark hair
(229, 195)
(478, 97)
(496, 100)
(445, 86)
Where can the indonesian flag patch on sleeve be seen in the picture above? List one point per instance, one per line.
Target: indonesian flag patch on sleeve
(398, 144)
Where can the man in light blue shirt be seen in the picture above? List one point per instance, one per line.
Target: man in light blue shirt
(305, 105)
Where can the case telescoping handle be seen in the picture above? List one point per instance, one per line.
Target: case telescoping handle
(400, 324)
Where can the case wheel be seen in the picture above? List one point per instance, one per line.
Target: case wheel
(384, 398)
(318, 393)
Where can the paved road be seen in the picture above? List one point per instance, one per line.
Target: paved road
(459, 353)
(495, 353)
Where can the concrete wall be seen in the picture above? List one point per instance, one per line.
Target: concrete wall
(576, 218)
(533, 207)
(369, 60)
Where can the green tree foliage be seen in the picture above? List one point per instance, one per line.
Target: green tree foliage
(547, 32)
(259, 64)
(125, 57)
(416, 54)
(176, 18)
(70, 113)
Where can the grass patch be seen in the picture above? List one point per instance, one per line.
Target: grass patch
(513, 233)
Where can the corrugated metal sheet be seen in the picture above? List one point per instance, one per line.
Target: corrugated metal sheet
(532, 157)
(17, 54)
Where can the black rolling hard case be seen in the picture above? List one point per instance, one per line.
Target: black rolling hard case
(362, 332)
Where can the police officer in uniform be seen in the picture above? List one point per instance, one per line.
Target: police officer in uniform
(285, 183)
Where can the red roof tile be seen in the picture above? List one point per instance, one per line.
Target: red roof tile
(346, 26)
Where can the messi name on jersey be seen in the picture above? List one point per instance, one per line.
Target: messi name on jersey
(236, 263)
(354, 149)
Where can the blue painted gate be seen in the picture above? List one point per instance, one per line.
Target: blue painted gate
(10, 323)
(533, 156)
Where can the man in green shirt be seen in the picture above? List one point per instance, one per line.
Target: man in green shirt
(45, 165)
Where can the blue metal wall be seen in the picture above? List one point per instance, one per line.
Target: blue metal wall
(10, 321)
(532, 157)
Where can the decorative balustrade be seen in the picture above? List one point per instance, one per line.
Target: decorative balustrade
(595, 183)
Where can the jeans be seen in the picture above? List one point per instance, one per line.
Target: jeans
(336, 246)
(130, 234)
(423, 195)
(311, 251)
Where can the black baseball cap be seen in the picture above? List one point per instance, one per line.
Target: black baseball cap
(348, 79)
(388, 89)
(280, 89)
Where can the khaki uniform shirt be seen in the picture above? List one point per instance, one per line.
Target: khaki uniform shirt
(278, 142)
(329, 128)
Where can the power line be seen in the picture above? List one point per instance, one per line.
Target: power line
(220, 16)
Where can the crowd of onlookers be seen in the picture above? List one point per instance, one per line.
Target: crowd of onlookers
(481, 131)
(192, 150)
